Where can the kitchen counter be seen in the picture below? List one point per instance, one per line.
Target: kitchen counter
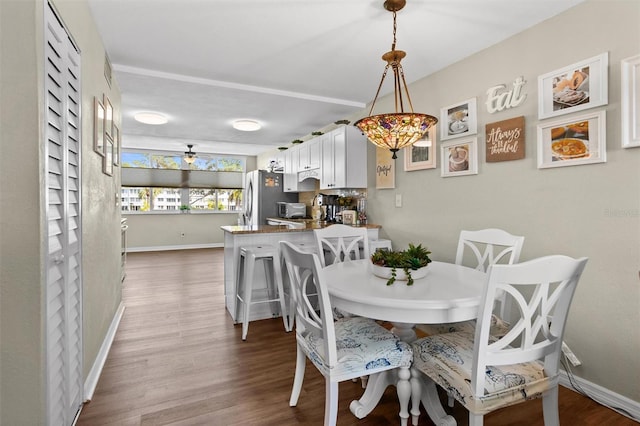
(236, 236)
(301, 225)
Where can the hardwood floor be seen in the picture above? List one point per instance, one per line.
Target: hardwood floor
(178, 359)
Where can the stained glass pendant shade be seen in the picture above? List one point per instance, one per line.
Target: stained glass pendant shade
(399, 129)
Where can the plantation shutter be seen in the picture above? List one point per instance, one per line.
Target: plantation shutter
(63, 273)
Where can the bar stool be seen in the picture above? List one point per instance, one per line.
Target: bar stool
(247, 259)
(379, 244)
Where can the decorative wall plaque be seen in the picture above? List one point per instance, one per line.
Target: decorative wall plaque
(505, 140)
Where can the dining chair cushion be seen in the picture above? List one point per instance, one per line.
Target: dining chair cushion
(448, 359)
(499, 327)
(363, 347)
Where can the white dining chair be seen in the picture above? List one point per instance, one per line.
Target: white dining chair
(479, 250)
(339, 243)
(342, 350)
(485, 372)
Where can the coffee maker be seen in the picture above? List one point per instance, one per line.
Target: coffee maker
(332, 208)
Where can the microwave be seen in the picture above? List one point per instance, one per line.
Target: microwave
(291, 210)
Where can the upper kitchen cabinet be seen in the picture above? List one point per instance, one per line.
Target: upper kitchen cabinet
(309, 154)
(290, 176)
(344, 159)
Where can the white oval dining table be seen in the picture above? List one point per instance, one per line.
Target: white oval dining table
(448, 293)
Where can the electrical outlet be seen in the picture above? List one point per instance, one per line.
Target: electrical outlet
(398, 200)
(573, 359)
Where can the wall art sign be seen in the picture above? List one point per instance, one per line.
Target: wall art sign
(631, 102)
(505, 140)
(499, 100)
(573, 141)
(385, 169)
(574, 88)
(459, 120)
(459, 157)
(422, 154)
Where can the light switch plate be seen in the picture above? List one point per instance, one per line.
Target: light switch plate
(398, 200)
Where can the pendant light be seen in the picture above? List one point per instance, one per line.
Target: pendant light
(400, 129)
(189, 156)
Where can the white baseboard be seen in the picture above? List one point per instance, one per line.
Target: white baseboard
(619, 403)
(180, 247)
(92, 379)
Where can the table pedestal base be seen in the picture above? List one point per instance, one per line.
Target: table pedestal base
(425, 390)
(376, 386)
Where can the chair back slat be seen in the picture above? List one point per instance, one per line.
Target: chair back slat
(339, 243)
(306, 278)
(540, 291)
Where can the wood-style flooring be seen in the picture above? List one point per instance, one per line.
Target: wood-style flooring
(178, 359)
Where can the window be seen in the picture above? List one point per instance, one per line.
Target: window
(154, 182)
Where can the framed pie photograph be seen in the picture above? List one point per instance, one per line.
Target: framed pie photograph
(574, 88)
(98, 126)
(573, 141)
(631, 102)
(459, 120)
(107, 160)
(108, 117)
(422, 154)
(116, 145)
(459, 157)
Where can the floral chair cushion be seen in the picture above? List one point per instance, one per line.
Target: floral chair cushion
(447, 360)
(364, 347)
(499, 327)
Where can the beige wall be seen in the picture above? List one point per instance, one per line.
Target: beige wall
(589, 210)
(22, 242)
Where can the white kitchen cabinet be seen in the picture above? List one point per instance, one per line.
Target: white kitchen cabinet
(290, 176)
(344, 159)
(309, 154)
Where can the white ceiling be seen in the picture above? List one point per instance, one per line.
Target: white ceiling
(294, 65)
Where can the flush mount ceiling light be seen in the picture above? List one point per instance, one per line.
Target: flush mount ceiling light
(189, 156)
(395, 131)
(247, 125)
(151, 118)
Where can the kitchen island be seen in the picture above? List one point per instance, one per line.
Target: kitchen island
(238, 235)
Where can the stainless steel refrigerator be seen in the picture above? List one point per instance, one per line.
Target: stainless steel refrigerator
(262, 191)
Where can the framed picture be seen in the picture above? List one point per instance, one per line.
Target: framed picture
(459, 157)
(348, 217)
(98, 126)
(574, 88)
(631, 102)
(116, 145)
(572, 142)
(385, 169)
(459, 120)
(107, 160)
(108, 117)
(422, 154)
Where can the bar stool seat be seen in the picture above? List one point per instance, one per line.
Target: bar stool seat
(245, 277)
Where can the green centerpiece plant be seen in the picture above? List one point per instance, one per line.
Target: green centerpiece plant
(411, 259)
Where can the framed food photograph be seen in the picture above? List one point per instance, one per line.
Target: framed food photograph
(116, 145)
(108, 117)
(573, 141)
(459, 120)
(107, 160)
(459, 157)
(574, 88)
(631, 102)
(98, 126)
(422, 154)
